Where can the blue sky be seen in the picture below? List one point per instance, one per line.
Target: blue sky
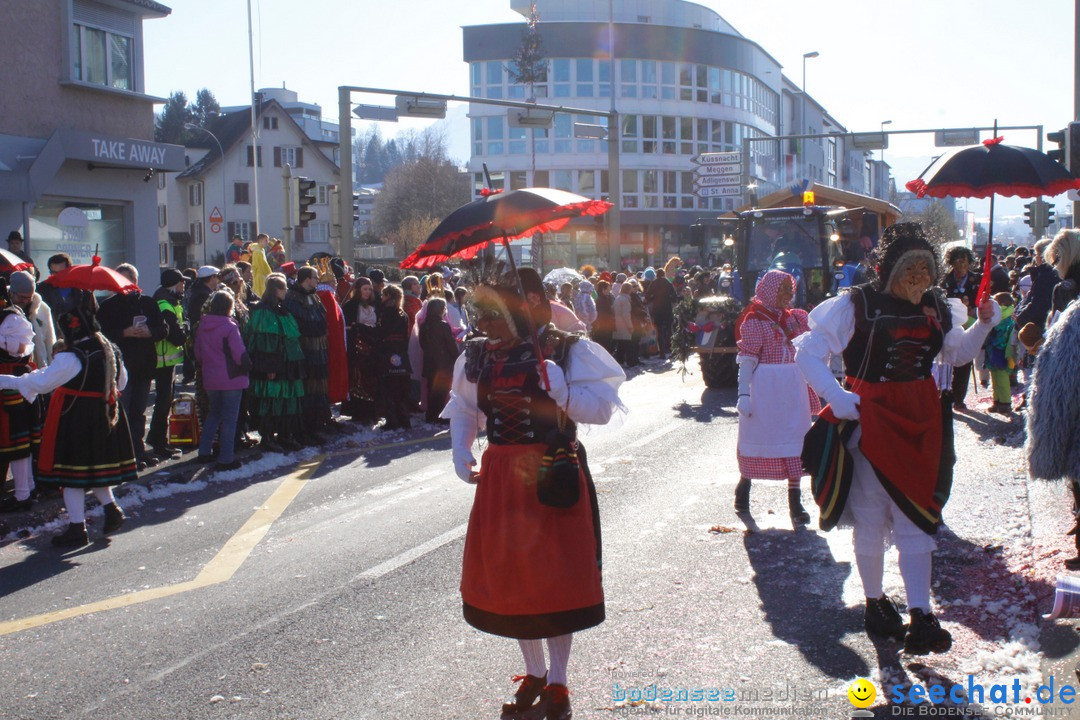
(919, 63)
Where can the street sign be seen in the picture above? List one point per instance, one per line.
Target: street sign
(717, 158)
(215, 216)
(722, 191)
(870, 140)
(724, 169)
(717, 180)
(215, 228)
(948, 138)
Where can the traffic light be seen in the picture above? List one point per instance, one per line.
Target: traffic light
(1048, 215)
(303, 197)
(1031, 214)
(1061, 154)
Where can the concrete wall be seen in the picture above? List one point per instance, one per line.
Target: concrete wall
(34, 37)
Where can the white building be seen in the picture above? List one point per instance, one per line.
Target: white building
(683, 81)
(211, 200)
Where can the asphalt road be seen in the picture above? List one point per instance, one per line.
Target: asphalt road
(327, 588)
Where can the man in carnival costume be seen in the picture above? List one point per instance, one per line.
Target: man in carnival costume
(505, 591)
(889, 332)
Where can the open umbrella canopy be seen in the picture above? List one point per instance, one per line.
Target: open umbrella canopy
(501, 216)
(558, 276)
(993, 168)
(10, 262)
(92, 277)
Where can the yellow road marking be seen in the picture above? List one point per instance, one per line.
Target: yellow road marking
(220, 569)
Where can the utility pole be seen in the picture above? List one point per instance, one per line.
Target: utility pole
(614, 173)
(254, 124)
(347, 246)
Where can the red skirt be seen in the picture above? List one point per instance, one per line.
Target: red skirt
(530, 570)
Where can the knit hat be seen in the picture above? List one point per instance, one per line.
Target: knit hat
(171, 277)
(207, 271)
(649, 274)
(21, 282)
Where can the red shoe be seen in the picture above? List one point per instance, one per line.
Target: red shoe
(531, 687)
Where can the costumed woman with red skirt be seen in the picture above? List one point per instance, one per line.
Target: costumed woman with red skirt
(774, 403)
(531, 570)
(20, 419)
(889, 332)
(86, 443)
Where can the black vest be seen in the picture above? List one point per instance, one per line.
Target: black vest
(894, 340)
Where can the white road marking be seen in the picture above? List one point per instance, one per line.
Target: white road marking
(414, 554)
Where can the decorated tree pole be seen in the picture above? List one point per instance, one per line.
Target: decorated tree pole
(528, 67)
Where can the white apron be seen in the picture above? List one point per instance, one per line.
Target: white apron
(779, 413)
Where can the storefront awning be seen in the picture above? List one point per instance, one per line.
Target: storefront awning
(27, 165)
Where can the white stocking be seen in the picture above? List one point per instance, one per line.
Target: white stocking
(533, 650)
(104, 495)
(915, 569)
(871, 569)
(75, 502)
(559, 650)
(24, 478)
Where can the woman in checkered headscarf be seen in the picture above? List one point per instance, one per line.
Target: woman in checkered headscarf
(775, 405)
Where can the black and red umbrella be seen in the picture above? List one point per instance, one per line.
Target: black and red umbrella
(94, 276)
(990, 169)
(500, 217)
(10, 262)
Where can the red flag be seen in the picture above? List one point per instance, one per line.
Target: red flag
(984, 286)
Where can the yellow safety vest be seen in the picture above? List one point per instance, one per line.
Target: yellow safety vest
(168, 354)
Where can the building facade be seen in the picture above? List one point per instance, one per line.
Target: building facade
(78, 163)
(683, 81)
(213, 199)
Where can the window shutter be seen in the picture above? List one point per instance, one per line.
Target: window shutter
(230, 229)
(299, 157)
(250, 156)
(277, 156)
(259, 156)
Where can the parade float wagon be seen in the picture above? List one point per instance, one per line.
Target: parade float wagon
(821, 245)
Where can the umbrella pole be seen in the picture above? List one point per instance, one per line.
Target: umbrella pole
(528, 314)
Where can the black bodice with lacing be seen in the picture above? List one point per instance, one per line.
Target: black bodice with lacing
(895, 340)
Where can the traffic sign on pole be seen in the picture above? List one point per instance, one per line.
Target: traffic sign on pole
(724, 169)
(716, 158)
(722, 191)
(215, 216)
(716, 180)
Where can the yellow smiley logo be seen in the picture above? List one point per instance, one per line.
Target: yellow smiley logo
(861, 693)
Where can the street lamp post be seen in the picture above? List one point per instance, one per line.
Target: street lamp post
(882, 156)
(221, 152)
(802, 123)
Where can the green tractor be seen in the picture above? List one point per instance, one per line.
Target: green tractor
(821, 246)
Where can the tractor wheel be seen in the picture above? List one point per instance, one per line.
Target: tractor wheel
(719, 371)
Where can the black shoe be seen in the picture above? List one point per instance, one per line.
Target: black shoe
(798, 513)
(526, 694)
(203, 459)
(11, 505)
(556, 701)
(234, 465)
(74, 536)
(312, 439)
(742, 495)
(114, 517)
(167, 453)
(882, 619)
(140, 466)
(271, 445)
(925, 635)
(290, 445)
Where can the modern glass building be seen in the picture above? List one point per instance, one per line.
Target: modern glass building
(684, 82)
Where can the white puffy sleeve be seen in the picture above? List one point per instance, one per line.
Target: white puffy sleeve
(461, 410)
(832, 324)
(64, 366)
(593, 378)
(961, 346)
